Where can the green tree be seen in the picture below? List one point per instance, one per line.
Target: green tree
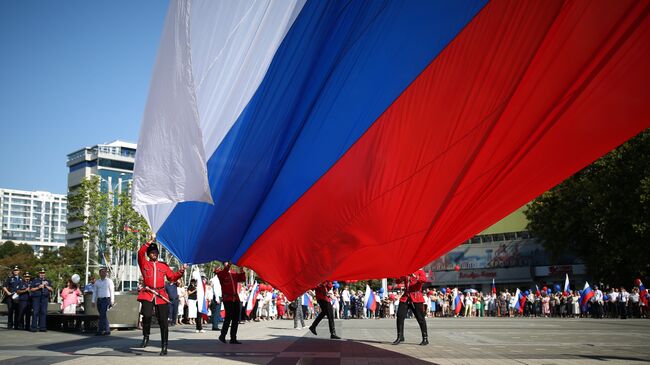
(9, 249)
(601, 214)
(88, 205)
(127, 227)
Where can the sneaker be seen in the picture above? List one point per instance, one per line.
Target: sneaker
(199, 331)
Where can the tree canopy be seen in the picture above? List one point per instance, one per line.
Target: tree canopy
(602, 214)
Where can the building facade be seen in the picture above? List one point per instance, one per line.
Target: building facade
(37, 218)
(507, 254)
(112, 162)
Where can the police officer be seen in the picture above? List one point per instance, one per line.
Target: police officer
(231, 301)
(153, 293)
(412, 299)
(10, 287)
(322, 297)
(24, 303)
(40, 289)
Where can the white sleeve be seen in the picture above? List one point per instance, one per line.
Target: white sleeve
(111, 289)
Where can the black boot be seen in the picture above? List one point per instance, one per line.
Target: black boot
(425, 339)
(400, 338)
(163, 343)
(312, 330)
(333, 336)
(145, 341)
(234, 341)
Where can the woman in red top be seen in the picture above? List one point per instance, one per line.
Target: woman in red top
(322, 297)
(413, 299)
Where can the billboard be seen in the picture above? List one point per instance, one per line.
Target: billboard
(490, 255)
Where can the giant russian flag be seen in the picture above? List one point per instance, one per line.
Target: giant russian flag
(277, 134)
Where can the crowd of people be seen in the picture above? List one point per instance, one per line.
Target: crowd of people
(271, 304)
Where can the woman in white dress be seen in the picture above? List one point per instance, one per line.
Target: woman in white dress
(191, 302)
(182, 298)
(576, 304)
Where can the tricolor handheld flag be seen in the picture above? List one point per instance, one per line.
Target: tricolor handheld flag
(494, 287)
(252, 298)
(587, 294)
(306, 300)
(458, 302)
(516, 301)
(201, 300)
(567, 288)
(369, 301)
(643, 292)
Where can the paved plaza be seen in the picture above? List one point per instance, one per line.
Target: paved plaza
(453, 341)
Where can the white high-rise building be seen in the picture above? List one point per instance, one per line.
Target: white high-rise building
(37, 218)
(112, 162)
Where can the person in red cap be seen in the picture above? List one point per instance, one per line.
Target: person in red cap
(153, 292)
(322, 297)
(413, 299)
(230, 299)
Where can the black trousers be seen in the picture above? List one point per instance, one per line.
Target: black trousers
(173, 311)
(325, 310)
(161, 315)
(418, 311)
(232, 315)
(24, 314)
(12, 313)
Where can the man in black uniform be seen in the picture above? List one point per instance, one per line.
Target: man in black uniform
(9, 288)
(40, 289)
(24, 303)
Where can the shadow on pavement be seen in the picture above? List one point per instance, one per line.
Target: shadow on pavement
(277, 351)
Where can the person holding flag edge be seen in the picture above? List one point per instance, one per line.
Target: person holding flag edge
(229, 281)
(322, 297)
(413, 299)
(153, 293)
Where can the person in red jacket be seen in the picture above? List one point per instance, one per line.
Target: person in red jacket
(413, 299)
(230, 299)
(153, 292)
(322, 297)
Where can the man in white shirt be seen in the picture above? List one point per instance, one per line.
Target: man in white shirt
(345, 296)
(623, 297)
(215, 303)
(104, 298)
(597, 302)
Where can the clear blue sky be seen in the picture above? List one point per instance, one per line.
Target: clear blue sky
(72, 74)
